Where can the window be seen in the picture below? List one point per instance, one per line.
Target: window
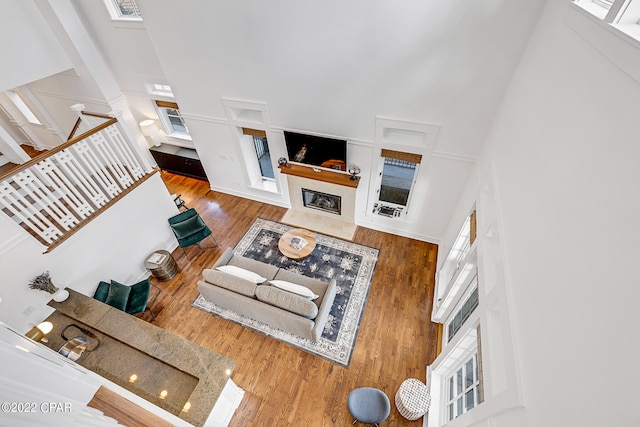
(463, 389)
(397, 178)
(171, 119)
(623, 15)
(604, 3)
(159, 89)
(261, 151)
(123, 9)
(468, 306)
(17, 100)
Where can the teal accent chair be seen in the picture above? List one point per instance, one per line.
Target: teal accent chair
(190, 229)
(132, 299)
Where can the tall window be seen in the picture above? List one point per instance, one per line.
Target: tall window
(171, 120)
(463, 389)
(260, 149)
(397, 179)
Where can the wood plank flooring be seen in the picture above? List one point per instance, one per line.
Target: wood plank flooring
(285, 386)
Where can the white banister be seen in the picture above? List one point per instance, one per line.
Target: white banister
(52, 195)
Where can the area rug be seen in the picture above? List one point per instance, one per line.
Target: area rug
(351, 264)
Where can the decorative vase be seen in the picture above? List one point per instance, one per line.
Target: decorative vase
(60, 295)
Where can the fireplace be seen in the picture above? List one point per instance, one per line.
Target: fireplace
(321, 201)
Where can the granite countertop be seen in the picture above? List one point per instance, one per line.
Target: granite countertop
(124, 345)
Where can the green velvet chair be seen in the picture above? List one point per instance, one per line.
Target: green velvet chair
(189, 228)
(132, 299)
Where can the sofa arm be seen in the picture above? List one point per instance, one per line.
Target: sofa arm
(224, 258)
(324, 310)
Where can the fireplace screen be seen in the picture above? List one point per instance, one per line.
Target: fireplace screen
(322, 201)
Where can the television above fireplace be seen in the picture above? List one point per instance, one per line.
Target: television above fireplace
(316, 150)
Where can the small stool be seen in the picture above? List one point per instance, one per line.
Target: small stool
(413, 399)
(162, 265)
(368, 405)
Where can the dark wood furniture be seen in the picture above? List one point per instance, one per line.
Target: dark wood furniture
(183, 161)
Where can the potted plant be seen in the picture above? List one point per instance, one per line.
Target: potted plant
(43, 282)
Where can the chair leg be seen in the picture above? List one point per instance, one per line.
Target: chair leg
(214, 240)
(153, 316)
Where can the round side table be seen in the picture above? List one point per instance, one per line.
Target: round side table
(413, 399)
(162, 265)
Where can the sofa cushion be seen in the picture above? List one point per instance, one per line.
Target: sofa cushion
(139, 297)
(317, 286)
(102, 291)
(263, 269)
(294, 288)
(243, 273)
(118, 295)
(230, 282)
(287, 301)
(188, 227)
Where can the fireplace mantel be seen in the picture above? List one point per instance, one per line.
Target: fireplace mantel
(324, 175)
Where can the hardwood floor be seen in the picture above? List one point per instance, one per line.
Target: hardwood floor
(285, 386)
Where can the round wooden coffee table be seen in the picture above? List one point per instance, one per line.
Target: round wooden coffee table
(287, 243)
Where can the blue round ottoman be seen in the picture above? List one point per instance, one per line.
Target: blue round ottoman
(368, 405)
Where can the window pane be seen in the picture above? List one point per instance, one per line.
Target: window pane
(127, 7)
(470, 403)
(468, 370)
(451, 388)
(459, 382)
(397, 178)
(450, 411)
(177, 123)
(459, 407)
(264, 158)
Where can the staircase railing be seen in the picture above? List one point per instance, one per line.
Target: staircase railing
(56, 193)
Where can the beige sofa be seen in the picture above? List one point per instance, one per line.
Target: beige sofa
(267, 303)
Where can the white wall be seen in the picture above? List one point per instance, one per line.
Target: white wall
(112, 246)
(330, 69)
(30, 51)
(563, 152)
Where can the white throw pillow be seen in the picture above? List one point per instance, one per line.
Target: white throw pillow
(242, 273)
(293, 288)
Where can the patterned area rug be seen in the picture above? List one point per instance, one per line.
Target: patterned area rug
(351, 264)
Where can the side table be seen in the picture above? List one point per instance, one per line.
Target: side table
(413, 399)
(162, 265)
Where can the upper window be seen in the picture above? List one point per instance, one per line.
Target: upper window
(604, 3)
(159, 89)
(623, 15)
(469, 305)
(22, 107)
(123, 9)
(171, 119)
